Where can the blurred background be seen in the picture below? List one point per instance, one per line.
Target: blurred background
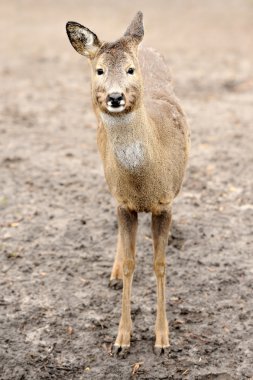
(57, 220)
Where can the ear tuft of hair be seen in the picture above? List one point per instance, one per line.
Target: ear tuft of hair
(83, 40)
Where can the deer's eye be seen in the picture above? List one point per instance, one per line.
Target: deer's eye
(100, 71)
(130, 71)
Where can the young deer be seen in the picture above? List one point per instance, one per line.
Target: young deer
(143, 142)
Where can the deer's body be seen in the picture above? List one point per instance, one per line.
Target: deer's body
(143, 142)
(145, 153)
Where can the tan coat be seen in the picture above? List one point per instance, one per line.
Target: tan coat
(143, 140)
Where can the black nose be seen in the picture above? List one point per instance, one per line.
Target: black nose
(115, 99)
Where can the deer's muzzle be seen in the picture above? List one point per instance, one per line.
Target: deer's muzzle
(115, 102)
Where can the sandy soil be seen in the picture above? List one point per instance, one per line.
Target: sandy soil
(58, 225)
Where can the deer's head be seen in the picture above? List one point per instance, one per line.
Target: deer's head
(116, 76)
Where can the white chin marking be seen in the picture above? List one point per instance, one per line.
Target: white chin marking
(115, 120)
(115, 110)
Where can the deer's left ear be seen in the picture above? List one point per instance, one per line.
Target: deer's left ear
(136, 28)
(83, 40)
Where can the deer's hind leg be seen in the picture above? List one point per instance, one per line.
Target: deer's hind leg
(160, 231)
(117, 269)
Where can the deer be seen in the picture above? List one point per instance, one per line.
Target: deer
(143, 140)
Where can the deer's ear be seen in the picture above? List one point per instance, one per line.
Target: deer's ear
(82, 39)
(136, 28)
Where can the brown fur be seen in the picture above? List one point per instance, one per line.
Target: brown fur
(144, 150)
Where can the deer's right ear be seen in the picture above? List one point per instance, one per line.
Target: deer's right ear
(82, 39)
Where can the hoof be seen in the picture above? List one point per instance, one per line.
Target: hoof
(158, 351)
(116, 284)
(121, 351)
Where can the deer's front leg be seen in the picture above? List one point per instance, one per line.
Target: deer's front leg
(160, 230)
(127, 229)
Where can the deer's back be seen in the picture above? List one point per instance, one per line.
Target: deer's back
(156, 76)
(163, 108)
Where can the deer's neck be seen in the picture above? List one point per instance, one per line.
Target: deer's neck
(128, 138)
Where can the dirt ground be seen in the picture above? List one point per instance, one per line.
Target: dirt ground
(58, 224)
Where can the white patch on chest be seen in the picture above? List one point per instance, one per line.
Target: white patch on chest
(130, 156)
(128, 149)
